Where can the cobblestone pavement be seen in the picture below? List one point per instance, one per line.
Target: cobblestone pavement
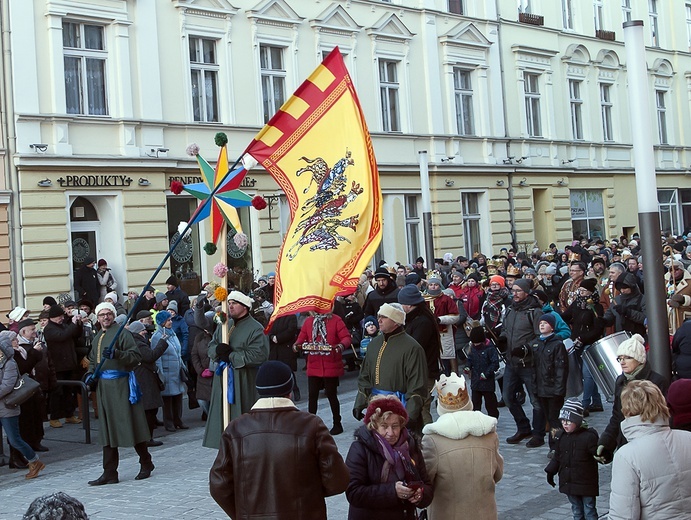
(178, 487)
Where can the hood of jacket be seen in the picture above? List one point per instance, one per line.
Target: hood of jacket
(7, 350)
(633, 427)
(529, 303)
(459, 425)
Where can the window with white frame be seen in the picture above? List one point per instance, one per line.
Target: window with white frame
(598, 12)
(576, 108)
(524, 6)
(412, 227)
(531, 88)
(661, 116)
(456, 7)
(688, 24)
(470, 208)
(273, 75)
(567, 13)
(463, 92)
(685, 196)
(653, 14)
(587, 214)
(204, 79)
(388, 88)
(626, 10)
(606, 111)
(84, 52)
(669, 211)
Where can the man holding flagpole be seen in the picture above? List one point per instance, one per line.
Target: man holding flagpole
(239, 360)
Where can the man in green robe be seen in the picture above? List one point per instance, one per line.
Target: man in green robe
(122, 423)
(247, 348)
(395, 364)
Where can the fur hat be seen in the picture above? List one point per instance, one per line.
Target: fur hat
(103, 306)
(240, 297)
(679, 401)
(172, 280)
(477, 335)
(49, 300)
(162, 317)
(160, 297)
(394, 312)
(136, 327)
(17, 313)
(633, 347)
(452, 394)
(274, 379)
(522, 283)
(410, 295)
(55, 311)
(56, 505)
(112, 296)
(589, 284)
(572, 411)
(381, 404)
(550, 318)
(498, 279)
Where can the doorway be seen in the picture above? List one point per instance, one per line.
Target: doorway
(84, 232)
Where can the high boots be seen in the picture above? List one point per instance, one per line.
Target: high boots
(34, 468)
(17, 460)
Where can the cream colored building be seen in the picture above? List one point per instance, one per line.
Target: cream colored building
(107, 95)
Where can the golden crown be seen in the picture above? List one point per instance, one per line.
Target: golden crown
(512, 270)
(453, 401)
(574, 257)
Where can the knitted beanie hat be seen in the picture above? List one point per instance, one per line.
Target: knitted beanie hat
(274, 379)
(410, 295)
(679, 401)
(572, 411)
(550, 318)
(633, 347)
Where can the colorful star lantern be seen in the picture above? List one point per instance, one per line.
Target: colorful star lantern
(225, 200)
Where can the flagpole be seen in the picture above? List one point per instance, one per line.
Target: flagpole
(224, 326)
(163, 262)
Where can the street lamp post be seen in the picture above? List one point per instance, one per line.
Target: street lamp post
(426, 210)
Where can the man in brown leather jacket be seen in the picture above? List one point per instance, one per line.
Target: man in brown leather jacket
(276, 461)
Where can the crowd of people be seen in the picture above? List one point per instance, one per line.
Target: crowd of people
(518, 321)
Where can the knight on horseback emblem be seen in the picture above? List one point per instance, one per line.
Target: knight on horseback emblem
(322, 214)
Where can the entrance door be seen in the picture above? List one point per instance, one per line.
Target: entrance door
(84, 233)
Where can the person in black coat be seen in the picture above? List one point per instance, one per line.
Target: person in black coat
(86, 281)
(199, 359)
(628, 310)
(551, 372)
(574, 448)
(632, 357)
(388, 477)
(147, 375)
(681, 350)
(175, 293)
(423, 327)
(385, 291)
(282, 335)
(483, 362)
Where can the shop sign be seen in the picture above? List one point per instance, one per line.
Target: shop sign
(247, 182)
(94, 181)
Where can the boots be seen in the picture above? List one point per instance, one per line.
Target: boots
(34, 468)
(17, 460)
(337, 429)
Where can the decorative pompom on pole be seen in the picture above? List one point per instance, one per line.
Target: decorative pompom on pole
(259, 203)
(176, 187)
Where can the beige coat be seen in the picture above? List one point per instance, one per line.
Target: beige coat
(677, 316)
(461, 451)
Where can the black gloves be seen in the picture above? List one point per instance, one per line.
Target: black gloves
(358, 414)
(223, 351)
(110, 353)
(550, 479)
(520, 352)
(90, 381)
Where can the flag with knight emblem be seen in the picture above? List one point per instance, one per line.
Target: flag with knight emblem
(318, 149)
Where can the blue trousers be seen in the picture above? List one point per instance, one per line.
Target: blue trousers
(514, 379)
(583, 508)
(11, 427)
(591, 397)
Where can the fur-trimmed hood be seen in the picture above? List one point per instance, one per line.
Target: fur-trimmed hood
(459, 425)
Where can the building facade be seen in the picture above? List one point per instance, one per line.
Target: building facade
(520, 106)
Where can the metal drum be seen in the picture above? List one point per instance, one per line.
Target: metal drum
(601, 358)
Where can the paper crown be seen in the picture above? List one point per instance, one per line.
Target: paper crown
(470, 270)
(452, 394)
(574, 257)
(512, 270)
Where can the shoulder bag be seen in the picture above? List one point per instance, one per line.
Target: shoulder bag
(23, 390)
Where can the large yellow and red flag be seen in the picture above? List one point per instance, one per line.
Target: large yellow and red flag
(317, 147)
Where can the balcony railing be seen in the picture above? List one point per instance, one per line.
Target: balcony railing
(532, 19)
(605, 35)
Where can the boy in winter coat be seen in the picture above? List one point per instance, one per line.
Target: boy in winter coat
(574, 448)
(370, 330)
(483, 362)
(551, 372)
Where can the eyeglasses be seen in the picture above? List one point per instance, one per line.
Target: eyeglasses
(623, 358)
(517, 291)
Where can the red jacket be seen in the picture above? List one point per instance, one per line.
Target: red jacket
(472, 300)
(321, 364)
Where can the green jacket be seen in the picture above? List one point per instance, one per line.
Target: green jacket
(401, 366)
(250, 348)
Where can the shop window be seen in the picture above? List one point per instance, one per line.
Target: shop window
(186, 258)
(587, 214)
(669, 211)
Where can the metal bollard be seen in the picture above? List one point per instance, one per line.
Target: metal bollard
(86, 418)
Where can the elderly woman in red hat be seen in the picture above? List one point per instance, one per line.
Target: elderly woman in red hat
(388, 479)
